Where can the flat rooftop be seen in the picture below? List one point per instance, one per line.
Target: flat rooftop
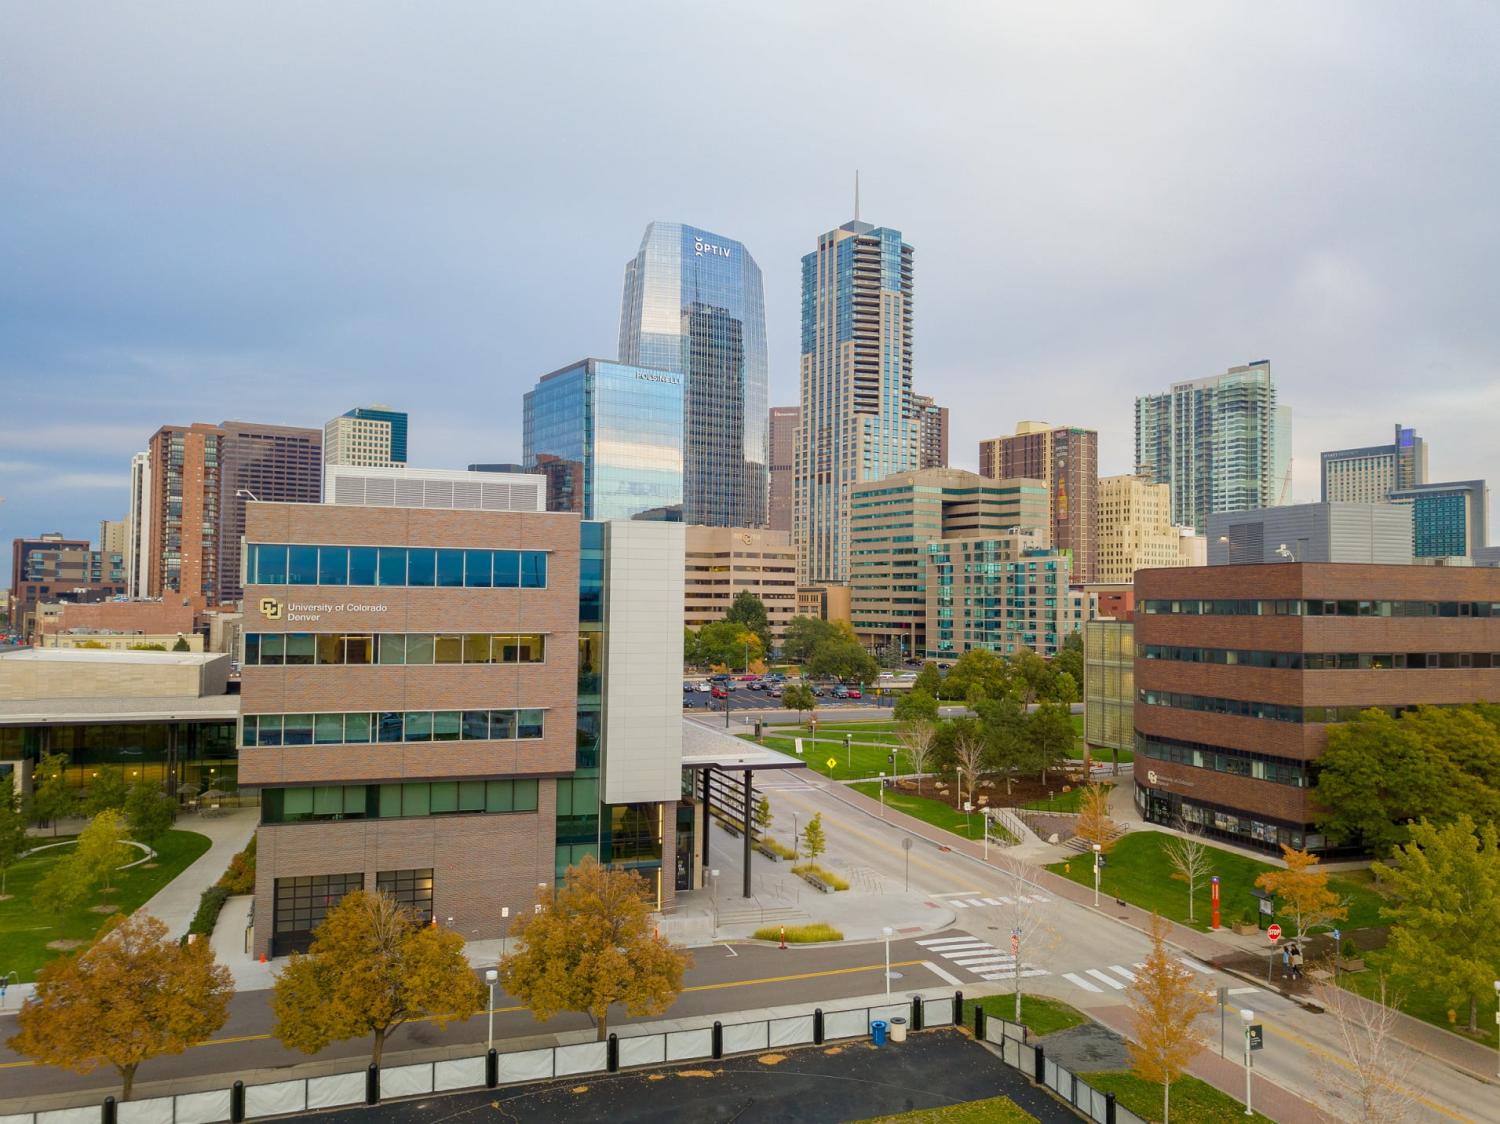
(100, 655)
(704, 747)
(119, 711)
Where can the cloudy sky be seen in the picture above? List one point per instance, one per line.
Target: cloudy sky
(276, 211)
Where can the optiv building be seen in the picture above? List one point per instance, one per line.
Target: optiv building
(694, 305)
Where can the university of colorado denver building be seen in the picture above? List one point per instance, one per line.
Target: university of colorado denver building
(425, 692)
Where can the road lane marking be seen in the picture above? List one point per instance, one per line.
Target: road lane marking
(957, 894)
(1110, 980)
(991, 961)
(1195, 966)
(1026, 973)
(957, 904)
(939, 942)
(1126, 973)
(932, 967)
(1244, 991)
(1081, 982)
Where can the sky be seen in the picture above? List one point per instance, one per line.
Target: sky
(274, 212)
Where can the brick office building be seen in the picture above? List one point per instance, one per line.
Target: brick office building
(1239, 670)
(424, 706)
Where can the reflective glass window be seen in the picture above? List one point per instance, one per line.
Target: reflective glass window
(502, 724)
(270, 565)
(476, 725)
(357, 728)
(421, 566)
(330, 651)
(333, 565)
(272, 649)
(390, 725)
(299, 648)
(419, 648)
(477, 569)
(302, 565)
(359, 650)
(445, 725)
(392, 648)
(533, 569)
(297, 729)
(328, 729)
(477, 648)
(448, 649)
(507, 569)
(450, 568)
(529, 724)
(392, 565)
(362, 565)
(418, 725)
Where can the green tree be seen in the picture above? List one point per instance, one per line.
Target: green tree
(915, 705)
(798, 697)
(13, 839)
(1069, 658)
(949, 735)
(52, 798)
(691, 656)
(846, 659)
(92, 862)
(182, 645)
(749, 611)
(1378, 774)
(1444, 888)
(372, 967)
(592, 945)
(728, 643)
(814, 841)
(929, 679)
(106, 790)
(763, 816)
(1065, 688)
(802, 636)
(978, 667)
(149, 813)
(1049, 736)
(1031, 676)
(1006, 739)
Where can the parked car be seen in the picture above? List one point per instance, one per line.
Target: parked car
(703, 687)
(719, 691)
(775, 690)
(755, 685)
(689, 686)
(853, 693)
(748, 677)
(841, 692)
(818, 692)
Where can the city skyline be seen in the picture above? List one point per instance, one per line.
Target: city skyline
(188, 283)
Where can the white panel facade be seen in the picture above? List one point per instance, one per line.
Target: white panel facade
(643, 662)
(444, 488)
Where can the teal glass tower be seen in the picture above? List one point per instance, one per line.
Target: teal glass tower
(694, 305)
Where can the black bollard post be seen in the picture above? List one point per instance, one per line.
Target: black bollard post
(1109, 1108)
(916, 1012)
(1040, 1076)
(372, 1084)
(818, 1026)
(492, 1068)
(107, 1111)
(958, 1008)
(718, 1040)
(237, 1102)
(612, 1054)
(979, 1023)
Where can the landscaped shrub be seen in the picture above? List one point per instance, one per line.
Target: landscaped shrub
(800, 934)
(239, 878)
(822, 874)
(207, 916)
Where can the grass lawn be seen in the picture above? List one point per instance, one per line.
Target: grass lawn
(857, 762)
(1419, 1001)
(25, 932)
(883, 732)
(1192, 1099)
(994, 1110)
(934, 812)
(1040, 1015)
(1137, 870)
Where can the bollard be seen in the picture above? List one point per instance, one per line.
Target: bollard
(372, 1084)
(107, 1111)
(612, 1054)
(718, 1040)
(237, 1103)
(492, 1068)
(1109, 1108)
(1040, 1076)
(916, 1012)
(818, 1026)
(958, 1008)
(979, 1023)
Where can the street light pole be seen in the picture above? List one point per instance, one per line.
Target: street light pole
(1248, 1016)
(1098, 854)
(882, 796)
(490, 977)
(887, 933)
(1497, 1019)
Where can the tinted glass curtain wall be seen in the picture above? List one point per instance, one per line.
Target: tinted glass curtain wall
(694, 305)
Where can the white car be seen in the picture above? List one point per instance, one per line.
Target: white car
(704, 687)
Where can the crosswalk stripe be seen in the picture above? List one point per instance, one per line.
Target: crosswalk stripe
(1125, 972)
(957, 904)
(1110, 980)
(938, 942)
(990, 901)
(1195, 966)
(1005, 901)
(1026, 974)
(976, 902)
(1081, 982)
(993, 958)
(971, 946)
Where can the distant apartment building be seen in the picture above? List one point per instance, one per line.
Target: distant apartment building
(371, 436)
(1067, 459)
(722, 562)
(201, 477)
(53, 568)
(1221, 443)
(823, 602)
(1371, 474)
(138, 528)
(616, 431)
(1135, 529)
(783, 451)
(1448, 519)
(1003, 592)
(891, 522)
(1376, 533)
(932, 438)
(112, 536)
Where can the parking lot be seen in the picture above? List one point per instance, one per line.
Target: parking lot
(741, 697)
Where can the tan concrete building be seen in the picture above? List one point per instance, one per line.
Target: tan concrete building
(1135, 529)
(891, 523)
(1067, 458)
(825, 602)
(722, 561)
(112, 536)
(60, 673)
(117, 642)
(783, 450)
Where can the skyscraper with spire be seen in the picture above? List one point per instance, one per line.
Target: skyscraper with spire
(858, 419)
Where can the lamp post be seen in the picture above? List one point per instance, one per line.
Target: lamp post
(882, 796)
(1248, 1016)
(886, 932)
(1098, 855)
(490, 977)
(1497, 1017)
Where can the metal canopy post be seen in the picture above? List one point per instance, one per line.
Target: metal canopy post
(749, 826)
(706, 818)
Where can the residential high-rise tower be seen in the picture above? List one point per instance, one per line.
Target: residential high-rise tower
(783, 446)
(1371, 474)
(932, 439)
(858, 419)
(694, 305)
(1067, 458)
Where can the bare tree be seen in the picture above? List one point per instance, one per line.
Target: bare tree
(1368, 1080)
(1192, 862)
(1027, 918)
(916, 738)
(969, 753)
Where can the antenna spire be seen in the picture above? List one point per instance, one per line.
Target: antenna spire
(856, 194)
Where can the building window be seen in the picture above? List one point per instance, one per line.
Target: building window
(412, 889)
(394, 566)
(303, 903)
(392, 726)
(397, 801)
(275, 649)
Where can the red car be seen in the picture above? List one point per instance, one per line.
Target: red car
(746, 678)
(854, 693)
(718, 692)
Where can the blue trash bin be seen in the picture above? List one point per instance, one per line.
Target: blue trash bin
(877, 1031)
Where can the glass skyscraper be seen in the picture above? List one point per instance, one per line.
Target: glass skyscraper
(859, 420)
(618, 428)
(694, 305)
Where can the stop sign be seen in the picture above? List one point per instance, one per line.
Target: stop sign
(1274, 932)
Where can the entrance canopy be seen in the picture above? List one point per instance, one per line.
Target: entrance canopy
(707, 747)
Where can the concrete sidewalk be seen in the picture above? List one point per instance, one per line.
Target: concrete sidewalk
(177, 901)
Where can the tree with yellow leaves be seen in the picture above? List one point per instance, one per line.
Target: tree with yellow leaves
(590, 945)
(1303, 890)
(1165, 1003)
(133, 995)
(1094, 822)
(372, 966)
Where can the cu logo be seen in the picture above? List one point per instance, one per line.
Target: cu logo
(1151, 776)
(270, 608)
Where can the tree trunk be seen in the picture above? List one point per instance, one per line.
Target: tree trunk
(1473, 1014)
(127, 1080)
(1166, 1102)
(375, 1054)
(603, 1022)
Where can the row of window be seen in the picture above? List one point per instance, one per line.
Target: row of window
(392, 801)
(395, 566)
(275, 649)
(1321, 661)
(364, 727)
(1250, 607)
(1244, 708)
(1233, 761)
